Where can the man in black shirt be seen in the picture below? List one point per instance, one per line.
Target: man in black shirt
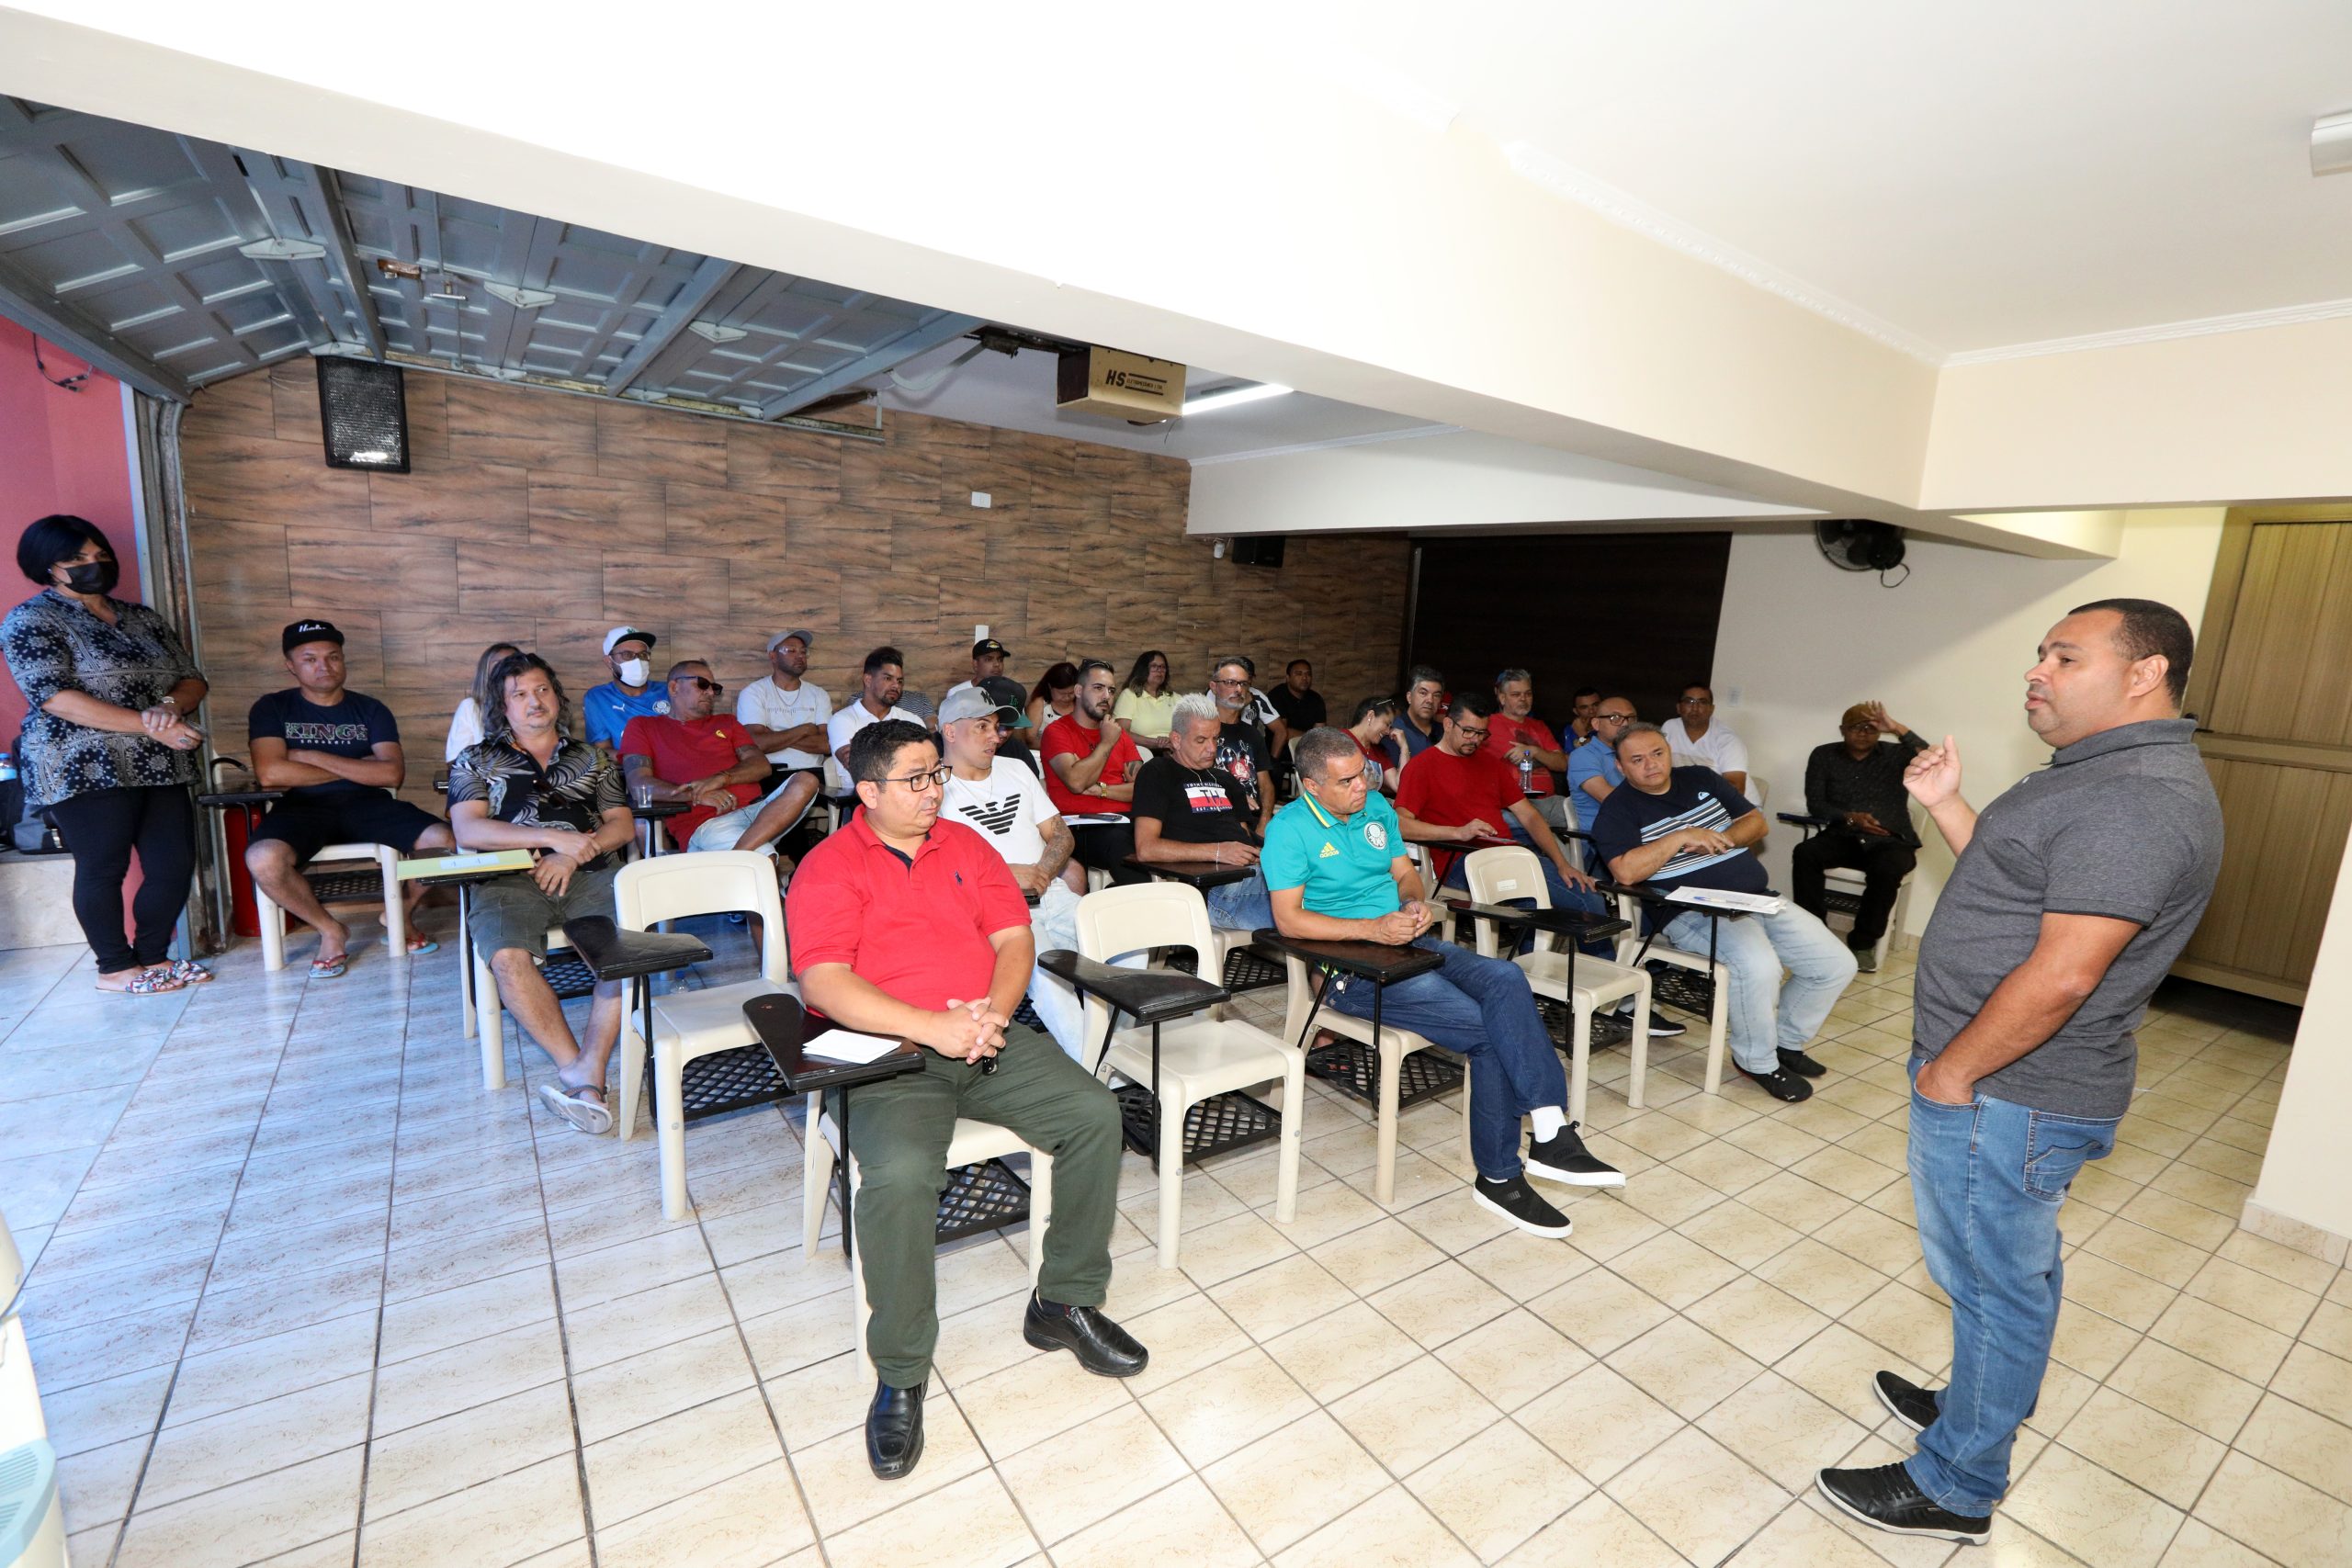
(1296, 699)
(1857, 787)
(1241, 747)
(1188, 808)
(336, 754)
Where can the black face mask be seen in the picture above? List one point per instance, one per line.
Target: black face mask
(93, 576)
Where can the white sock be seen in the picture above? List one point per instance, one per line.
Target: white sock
(1547, 1120)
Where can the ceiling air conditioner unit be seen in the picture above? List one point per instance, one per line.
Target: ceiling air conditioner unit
(1111, 382)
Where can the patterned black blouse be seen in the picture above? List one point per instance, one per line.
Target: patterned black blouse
(53, 645)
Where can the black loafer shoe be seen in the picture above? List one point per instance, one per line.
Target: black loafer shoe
(894, 1431)
(1906, 1400)
(1798, 1062)
(1100, 1346)
(1565, 1158)
(1885, 1498)
(1780, 1083)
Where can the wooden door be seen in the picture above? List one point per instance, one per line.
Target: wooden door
(2272, 695)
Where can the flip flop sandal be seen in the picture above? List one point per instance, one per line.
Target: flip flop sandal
(420, 945)
(330, 968)
(188, 972)
(150, 983)
(585, 1115)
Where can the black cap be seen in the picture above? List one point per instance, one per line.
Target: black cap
(300, 632)
(990, 645)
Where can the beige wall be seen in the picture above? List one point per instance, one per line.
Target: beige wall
(1946, 651)
(2306, 1171)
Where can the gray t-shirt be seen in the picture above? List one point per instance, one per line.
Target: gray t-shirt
(2123, 824)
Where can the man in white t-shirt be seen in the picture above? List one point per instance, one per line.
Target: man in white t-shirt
(1004, 803)
(884, 679)
(786, 714)
(1698, 741)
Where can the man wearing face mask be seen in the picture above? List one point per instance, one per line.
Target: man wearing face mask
(631, 694)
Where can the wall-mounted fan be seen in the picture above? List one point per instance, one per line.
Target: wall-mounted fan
(1855, 544)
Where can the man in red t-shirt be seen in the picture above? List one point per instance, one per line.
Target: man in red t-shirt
(909, 927)
(696, 753)
(1091, 768)
(1459, 795)
(1527, 745)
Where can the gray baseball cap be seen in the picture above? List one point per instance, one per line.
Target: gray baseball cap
(970, 701)
(807, 639)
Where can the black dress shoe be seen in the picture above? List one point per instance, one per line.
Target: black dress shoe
(1906, 1400)
(1887, 1499)
(1798, 1062)
(1780, 1083)
(894, 1431)
(1100, 1346)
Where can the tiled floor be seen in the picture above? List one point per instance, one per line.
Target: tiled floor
(306, 1294)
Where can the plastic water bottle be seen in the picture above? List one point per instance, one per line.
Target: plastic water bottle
(1526, 773)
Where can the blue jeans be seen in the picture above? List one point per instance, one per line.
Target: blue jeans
(1481, 1008)
(1563, 896)
(1763, 1014)
(1243, 906)
(1987, 1180)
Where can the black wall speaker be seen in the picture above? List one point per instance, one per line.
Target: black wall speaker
(1258, 550)
(363, 407)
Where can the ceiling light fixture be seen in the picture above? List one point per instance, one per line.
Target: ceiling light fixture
(1234, 397)
(2332, 143)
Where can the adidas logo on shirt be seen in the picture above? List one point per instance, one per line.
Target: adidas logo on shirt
(1330, 850)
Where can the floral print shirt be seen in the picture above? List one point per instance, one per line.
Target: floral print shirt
(53, 645)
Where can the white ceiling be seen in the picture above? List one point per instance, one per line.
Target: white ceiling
(1017, 393)
(1974, 176)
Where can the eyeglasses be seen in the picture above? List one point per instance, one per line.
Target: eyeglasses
(712, 686)
(1228, 681)
(1612, 719)
(924, 783)
(1694, 702)
(1469, 734)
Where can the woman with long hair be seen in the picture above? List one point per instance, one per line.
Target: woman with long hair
(1053, 696)
(108, 749)
(1375, 718)
(1146, 705)
(465, 725)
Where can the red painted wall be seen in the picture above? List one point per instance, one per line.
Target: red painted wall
(60, 451)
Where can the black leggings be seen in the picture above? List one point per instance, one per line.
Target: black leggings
(101, 829)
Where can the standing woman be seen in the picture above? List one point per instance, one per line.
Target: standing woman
(110, 747)
(1146, 704)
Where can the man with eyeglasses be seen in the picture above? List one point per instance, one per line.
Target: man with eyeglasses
(913, 928)
(1592, 766)
(1460, 795)
(1336, 865)
(1698, 741)
(697, 754)
(1528, 747)
(1241, 739)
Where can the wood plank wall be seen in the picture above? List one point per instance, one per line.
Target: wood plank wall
(541, 518)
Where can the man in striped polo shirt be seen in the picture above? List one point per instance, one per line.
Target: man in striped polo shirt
(1673, 827)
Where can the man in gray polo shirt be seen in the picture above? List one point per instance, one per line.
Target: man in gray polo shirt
(2073, 892)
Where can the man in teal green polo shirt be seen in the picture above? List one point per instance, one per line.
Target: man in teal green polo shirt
(1336, 865)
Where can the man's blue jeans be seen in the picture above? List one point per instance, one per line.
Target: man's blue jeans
(1481, 1008)
(1763, 1015)
(1987, 1180)
(1243, 906)
(1564, 897)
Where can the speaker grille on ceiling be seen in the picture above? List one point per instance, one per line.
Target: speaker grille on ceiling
(362, 409)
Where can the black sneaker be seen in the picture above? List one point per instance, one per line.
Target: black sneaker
(1661, 1026)
(1780, 1083)
(1799, 1063)
(1516, 1201)
(1885, 1498)
(1906, 1400)
(1563, 1158)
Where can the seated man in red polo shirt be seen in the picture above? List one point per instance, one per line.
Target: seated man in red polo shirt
(1458, 796)
(1091, 768)
(907, 926)
(697, 754)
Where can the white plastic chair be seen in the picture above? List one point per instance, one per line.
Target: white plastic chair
(1425, 861)
(272, 914)
(1852, 884)
(1631, 910)
(972, 1142)
(1501, 873)
(688, 1024)
(1199, 1056)
(1395, 1045)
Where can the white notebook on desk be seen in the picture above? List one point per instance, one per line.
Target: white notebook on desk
(1721, 898)
(846, 1045)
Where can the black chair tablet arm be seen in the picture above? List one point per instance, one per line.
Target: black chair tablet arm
(1640, 891)
(1810, 823)
(1149, 996)
(1570, 923)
